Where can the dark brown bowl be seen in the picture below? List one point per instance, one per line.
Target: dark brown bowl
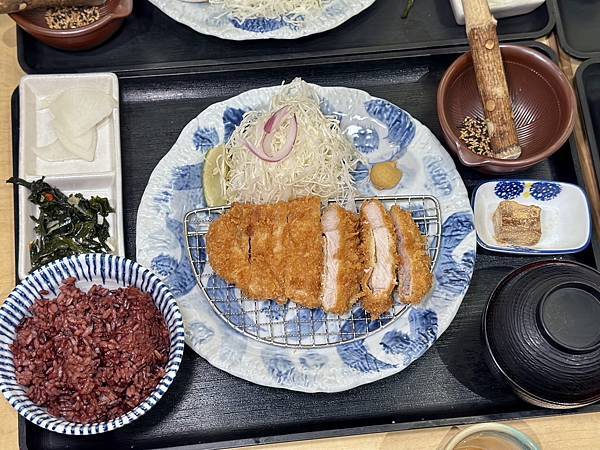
(543, 105)
(541, 333)
(112, 14)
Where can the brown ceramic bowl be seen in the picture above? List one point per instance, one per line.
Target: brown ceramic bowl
(543, 104)
(112, 14)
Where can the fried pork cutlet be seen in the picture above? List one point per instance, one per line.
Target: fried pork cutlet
(228, 245)
(263, 283)
(378, 242)
(414, 277)
(271, 251)
(343, 262)
(240, 252)
(303, 267)
(278, 243)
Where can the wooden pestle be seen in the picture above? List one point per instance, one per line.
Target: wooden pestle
(11, 6)
(491, 79)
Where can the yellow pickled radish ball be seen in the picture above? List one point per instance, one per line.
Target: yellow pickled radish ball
(211, 180)
(385, 175)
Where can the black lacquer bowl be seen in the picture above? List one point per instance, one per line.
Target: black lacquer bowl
(542, 332)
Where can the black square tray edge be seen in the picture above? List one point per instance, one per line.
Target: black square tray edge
(349, 432)
(332, 60)
(435, 45)
(588, 125)
(384, 427)
(562, 36)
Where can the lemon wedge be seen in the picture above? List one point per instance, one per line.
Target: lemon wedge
(211, 181)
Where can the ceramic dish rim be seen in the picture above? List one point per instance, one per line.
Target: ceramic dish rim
(491, 426)
(244, 35)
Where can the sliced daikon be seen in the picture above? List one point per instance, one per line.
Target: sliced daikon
(76, 111)
(82, 146)
(65, 149)
(56, 151)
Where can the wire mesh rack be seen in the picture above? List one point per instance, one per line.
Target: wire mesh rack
(291, 325)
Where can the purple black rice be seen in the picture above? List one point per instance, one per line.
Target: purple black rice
(91, 357)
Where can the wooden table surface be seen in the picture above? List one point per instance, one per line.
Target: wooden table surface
(580, 431)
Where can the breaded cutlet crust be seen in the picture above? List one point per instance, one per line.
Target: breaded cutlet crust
(376, 303)
(228, 245)
(278, 242)
(239, 250)
(417, 266)
(263, 283)
(270, 251)
(303, 266)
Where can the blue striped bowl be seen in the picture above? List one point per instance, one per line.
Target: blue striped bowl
(112, 272)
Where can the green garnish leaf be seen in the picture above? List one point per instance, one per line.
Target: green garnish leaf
(409, 5)
(67, 225)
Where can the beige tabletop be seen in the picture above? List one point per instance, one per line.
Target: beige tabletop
(576, 431)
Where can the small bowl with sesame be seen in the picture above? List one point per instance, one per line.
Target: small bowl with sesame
(543, 106)
(74, 28)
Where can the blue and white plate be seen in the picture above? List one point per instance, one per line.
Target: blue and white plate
(566, 220)
(215, 20)
(382, 132)
(112, 272)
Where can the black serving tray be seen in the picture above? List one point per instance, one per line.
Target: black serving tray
(151, 40)
(208, 408)
(578, 26)
(588, 88)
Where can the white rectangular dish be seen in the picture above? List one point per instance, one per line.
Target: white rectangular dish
(565, 216)
(99, 177)
(499, 8)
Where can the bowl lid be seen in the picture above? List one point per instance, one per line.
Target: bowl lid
(542, 327)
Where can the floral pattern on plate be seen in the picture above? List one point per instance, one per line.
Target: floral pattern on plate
(175, 188)
(215, 20)
(540, 190)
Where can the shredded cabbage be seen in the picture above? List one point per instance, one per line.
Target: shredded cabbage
(320, 163)
(291, 11)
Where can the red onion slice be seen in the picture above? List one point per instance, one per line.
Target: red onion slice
(257, 151)
(292, 135)
(275, 120)
(265, 151)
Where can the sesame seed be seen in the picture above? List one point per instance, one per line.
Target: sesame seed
(474, 133)
(71, 17)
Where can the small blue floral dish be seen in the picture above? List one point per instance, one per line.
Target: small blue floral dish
(565, 215)
(112, 272)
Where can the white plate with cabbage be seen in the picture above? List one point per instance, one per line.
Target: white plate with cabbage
(278, 142)
(241, 20)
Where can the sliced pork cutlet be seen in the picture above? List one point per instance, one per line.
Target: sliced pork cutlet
(343, 260)
(278, 243)
(414, 275)
(303, 268)
(378, 242)
(228, 245)
(263, 283)
(239, 250)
